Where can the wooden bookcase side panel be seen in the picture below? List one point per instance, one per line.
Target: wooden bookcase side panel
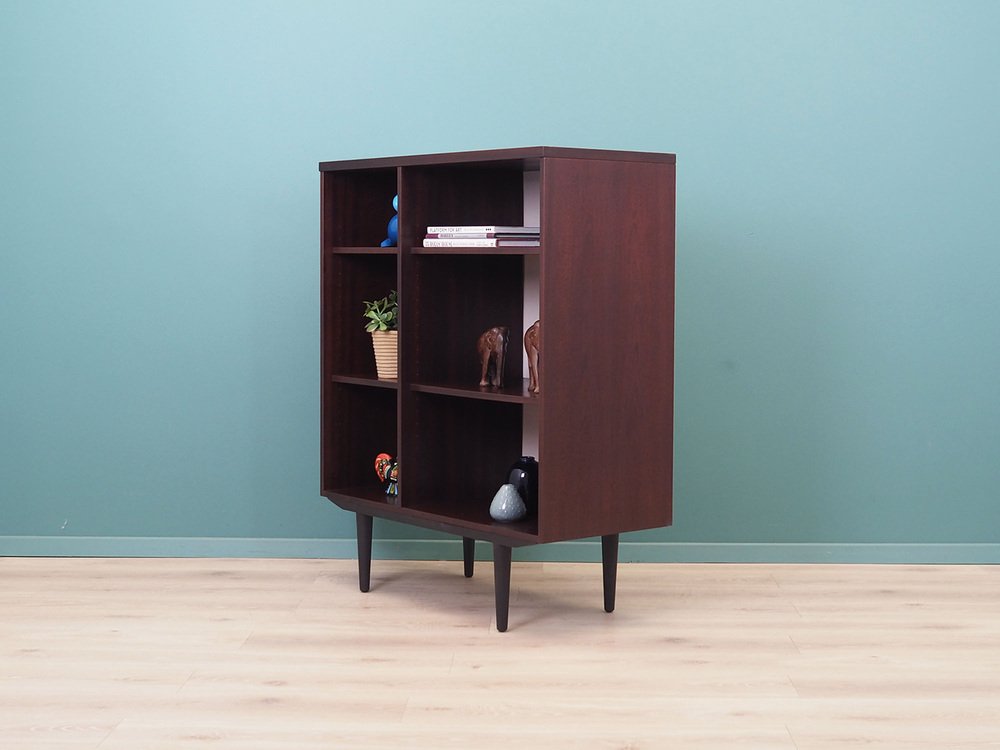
(356, 206)
(607, 302)
(358, 423)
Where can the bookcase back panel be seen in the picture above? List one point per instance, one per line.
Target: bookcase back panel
(357, 206)
(348, 281)
(358, 423)
(451, 300)
(460, 196)
(457, 453)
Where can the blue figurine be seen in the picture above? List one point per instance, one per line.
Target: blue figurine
(393, 228)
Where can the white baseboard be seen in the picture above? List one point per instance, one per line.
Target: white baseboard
(588, 550)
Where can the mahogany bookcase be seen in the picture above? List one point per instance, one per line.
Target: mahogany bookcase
(602, 283)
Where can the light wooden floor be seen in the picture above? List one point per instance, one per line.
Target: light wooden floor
(272, 654)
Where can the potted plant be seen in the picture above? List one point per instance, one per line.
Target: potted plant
(382, 316)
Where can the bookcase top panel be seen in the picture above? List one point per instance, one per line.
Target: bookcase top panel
(524, 156)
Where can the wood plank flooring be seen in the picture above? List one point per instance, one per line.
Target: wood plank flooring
(125, 654)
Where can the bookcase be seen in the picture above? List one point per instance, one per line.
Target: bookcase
(601, 281)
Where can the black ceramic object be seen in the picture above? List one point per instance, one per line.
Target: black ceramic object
(524, 476)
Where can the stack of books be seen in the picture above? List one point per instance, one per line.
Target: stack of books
(489, 235)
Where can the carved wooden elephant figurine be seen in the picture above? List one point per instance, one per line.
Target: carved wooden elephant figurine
(532, 347)
(492, 347)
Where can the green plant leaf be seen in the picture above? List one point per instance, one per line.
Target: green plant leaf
(382, 314)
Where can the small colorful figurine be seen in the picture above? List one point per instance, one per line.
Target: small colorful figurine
(393, 229)
(387, 470)
(392, 488)
(532, 347)
(492, 347)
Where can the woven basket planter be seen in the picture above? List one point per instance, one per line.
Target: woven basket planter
(386, 346)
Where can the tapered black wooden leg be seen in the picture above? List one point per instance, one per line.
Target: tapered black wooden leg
(501, 583)
(609, 558)
(364, 551)
(469, 555)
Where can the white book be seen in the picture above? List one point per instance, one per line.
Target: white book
(480, 235)
(481, 229)
(480, 242)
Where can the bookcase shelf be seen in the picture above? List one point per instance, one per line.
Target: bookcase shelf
(365, 381)
(421, 250)
(516, 394)
(364, 250)
(601, 427)
(467, 521)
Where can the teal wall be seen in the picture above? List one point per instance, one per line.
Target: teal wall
(838, 317)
